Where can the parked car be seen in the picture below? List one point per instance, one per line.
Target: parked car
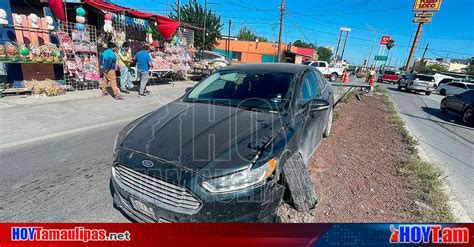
(461, 104)
(389, 76)
(328, 72)
(441, 79)
(417, 82)
(455, 87)
(216, 154)
(213, 57)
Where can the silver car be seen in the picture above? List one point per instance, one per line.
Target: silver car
(417, 83)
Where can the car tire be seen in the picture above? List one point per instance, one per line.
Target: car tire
(428, 92)
(442, 92)
(399, 87)
(468, 117)
(327, 130)
(333, 77)
(443, 107)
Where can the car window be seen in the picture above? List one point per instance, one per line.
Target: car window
(390, 72)
(320, 80)
(321, 64)
(470, 86)
(424, 78)
(306, 63)
(309, 88)
(445, 80)
(468, 95)
(458, 85)
(257, 89)
(314, 65)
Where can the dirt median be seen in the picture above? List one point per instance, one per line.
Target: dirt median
(355, 170)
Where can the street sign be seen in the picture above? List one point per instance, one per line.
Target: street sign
(422, 19)
(380, 58)
(427, 5)
(384, 40)
(424, 14)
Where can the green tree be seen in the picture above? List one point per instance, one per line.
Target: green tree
(303, 44)
(193, 13)
(432, 68)
(470, 68)
(246, 34)
(324, 54)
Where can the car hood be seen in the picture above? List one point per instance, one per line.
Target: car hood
(211, 140)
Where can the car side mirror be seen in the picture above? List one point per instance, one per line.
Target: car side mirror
(187, 89)
(318, 105)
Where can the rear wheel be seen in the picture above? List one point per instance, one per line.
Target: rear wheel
(399, 87)
(428, 92)
(444, 106)
(467, 117)
(333, 77)
(442, 92)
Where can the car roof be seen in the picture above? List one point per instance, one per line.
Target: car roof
(213, 53)
(274, 67)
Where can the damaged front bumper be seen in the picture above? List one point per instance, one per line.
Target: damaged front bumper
(257, 204)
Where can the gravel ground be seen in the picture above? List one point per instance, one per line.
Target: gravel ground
(354, 171)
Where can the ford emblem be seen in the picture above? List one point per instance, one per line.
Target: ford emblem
(148, 163)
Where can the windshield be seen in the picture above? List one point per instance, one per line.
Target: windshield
(249, 90)
(306, 63)
(424, 78)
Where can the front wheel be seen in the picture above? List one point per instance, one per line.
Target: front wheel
(327, 131)
(444, 106)
(442, 92)
(333, 77)
(467, 117)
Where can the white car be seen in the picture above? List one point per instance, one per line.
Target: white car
(455, 87)
(417, 83)
(218, 59)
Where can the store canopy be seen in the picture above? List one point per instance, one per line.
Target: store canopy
(100, 4)
(57, 8)
(166, 26)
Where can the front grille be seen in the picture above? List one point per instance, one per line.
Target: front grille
(165, 195)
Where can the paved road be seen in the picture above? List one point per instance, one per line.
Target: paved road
(443, 138)
(55, 158)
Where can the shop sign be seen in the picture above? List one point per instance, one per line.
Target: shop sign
(422, 19)
(427, 5)
(424, 14)
(384, 40)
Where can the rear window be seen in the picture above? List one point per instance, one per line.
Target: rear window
(424, 78)
(390, 72)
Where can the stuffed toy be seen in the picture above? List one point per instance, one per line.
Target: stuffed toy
(34, 19)
(49, 22)
(108, 28)
(3, 17)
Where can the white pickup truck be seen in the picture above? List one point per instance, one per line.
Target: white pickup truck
(323, 67)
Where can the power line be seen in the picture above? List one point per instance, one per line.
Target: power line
(299, 28)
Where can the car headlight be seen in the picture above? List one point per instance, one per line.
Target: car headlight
(240, 180)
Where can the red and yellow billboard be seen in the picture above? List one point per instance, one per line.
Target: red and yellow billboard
(427, 5)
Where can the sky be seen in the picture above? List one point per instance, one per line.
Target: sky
(451, 33)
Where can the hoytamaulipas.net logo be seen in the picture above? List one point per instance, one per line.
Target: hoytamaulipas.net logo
(434, 234)
(75, 234)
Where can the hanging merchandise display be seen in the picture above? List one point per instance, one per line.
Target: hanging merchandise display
(3, 17)
(79, 44)
(175, 57)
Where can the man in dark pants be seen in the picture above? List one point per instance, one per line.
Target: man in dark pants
(144, 63)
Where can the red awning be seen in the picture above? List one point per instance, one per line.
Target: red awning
(166, 26)
(100, 4)
(57, 8)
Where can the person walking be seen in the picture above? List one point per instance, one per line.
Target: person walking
(124, 59)
(108, 62)
(144, 63)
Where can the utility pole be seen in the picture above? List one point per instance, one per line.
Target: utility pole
(204, 26)
(344, 46)
(413, 47)
(337, 49)
(179, 10)
(282, 14)
(228, 40)
(372, 48)
(422, 61)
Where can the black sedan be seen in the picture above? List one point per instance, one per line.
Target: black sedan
(461, 104)
(217, 153)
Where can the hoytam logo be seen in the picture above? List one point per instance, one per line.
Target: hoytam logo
(435, 234)
(75, 234)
